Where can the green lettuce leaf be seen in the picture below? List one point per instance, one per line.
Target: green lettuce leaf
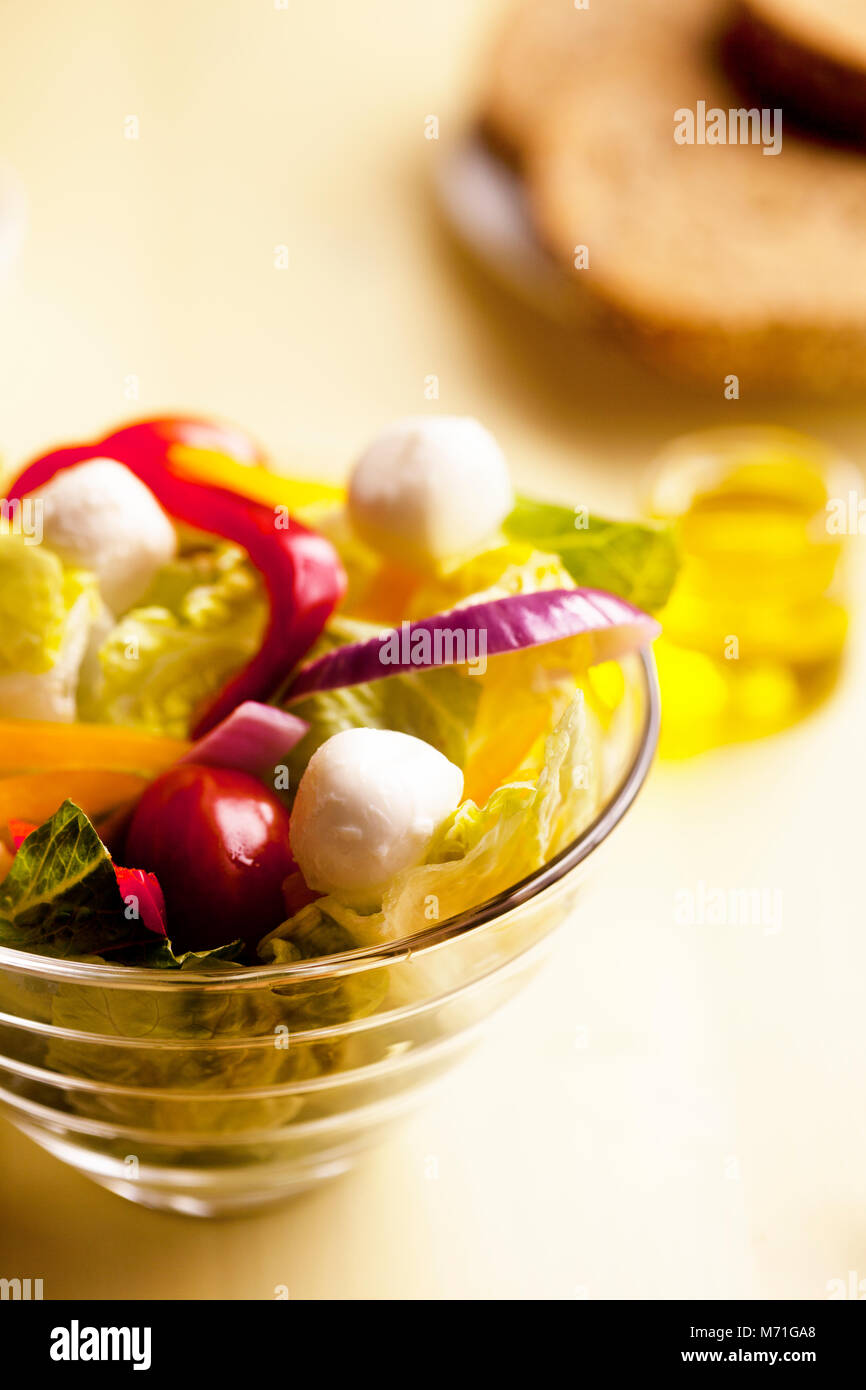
(60, 896)
(159, 954)
(35, 599)
(200, 622)
(514, 568)
(487, 722)
(477, 853)
(638, 563)
(218, 1041)
(47, 613)
(248, 1051)
(438, 706)
(335, 999)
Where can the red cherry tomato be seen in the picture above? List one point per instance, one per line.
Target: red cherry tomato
(218, 841)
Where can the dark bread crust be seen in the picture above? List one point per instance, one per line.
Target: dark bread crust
(816, 85)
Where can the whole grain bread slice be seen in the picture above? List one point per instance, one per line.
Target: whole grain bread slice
(544, 47)
(718, 259)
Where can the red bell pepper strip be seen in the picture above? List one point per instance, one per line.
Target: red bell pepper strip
(190, 431)
(301, 570)
(145, 888)
(133, 883)
(19, 830)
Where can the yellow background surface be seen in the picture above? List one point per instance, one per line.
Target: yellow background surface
(666, 1111)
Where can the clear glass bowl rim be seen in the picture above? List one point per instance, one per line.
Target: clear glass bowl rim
(388, 953)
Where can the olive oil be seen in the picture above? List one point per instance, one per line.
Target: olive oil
(755, 629)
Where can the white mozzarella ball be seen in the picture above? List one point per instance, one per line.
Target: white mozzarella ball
(428, 488)
(99, 516)
(368, 805)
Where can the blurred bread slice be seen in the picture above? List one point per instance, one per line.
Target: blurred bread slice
(715, 259)
(544, 47)
(808, 56)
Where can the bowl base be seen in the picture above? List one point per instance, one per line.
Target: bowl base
(213, 1192)
(234, 1203)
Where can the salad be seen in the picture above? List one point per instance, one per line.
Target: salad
(252, 718)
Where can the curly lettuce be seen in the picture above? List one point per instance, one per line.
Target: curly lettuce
(47, 612)
(478, 852)
(439, 706)
(200, 622)
(512, 568)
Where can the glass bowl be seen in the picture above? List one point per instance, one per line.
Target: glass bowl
(214, 1093)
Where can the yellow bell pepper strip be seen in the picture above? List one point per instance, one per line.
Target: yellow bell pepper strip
(221, 455)
(35, 796)
(301, 570)
(251, 480)
(33, 745)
